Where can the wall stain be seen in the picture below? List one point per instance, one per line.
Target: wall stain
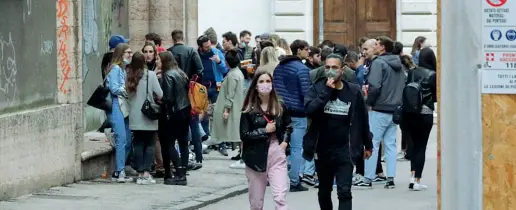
(64, 61)
(27, 11)
(8, 68)
(90, 31)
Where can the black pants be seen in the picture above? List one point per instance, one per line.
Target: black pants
(144, 146)
(342, 172)
(419, 127)
(406, 141)
(360, 165)
(175, 128)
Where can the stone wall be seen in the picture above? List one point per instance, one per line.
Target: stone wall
(40, 147)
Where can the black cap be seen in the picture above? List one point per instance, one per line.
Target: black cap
(341, 50)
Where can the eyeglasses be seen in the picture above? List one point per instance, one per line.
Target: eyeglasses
(332, 67)
(129, 52)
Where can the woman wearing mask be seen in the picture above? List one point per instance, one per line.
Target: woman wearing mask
(268, 60)
(175, 120)
(120, 111)
(265, 129)
(419, 124)
(142, 85)
(226, 114)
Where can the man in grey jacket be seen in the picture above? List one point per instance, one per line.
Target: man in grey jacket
(386, 82)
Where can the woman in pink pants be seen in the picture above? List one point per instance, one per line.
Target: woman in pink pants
(265, 128)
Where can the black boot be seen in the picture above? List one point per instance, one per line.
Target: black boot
(169, 179)
(180, 179)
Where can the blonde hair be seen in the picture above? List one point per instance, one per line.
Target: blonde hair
(275, 39)
(268, 55)
(118, 56)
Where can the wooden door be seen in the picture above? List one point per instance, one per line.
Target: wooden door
(346, 21)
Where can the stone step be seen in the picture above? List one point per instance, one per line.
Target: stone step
(97, 156)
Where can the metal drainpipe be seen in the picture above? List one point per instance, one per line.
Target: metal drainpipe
(321, 21)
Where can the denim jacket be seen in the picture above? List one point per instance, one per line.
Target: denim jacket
(116, 84)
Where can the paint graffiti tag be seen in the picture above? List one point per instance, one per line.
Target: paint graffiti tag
(62, 54)
(8, 69)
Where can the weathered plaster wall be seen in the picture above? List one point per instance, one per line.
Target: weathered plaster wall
(40, 147)
(27, 49)
(100, 19)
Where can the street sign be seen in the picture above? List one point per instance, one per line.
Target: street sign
(499, 46)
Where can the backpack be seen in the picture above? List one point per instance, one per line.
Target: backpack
(412, 96)
(198, 95)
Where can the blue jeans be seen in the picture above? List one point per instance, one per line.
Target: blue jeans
(296, 149)
(195, 138)
(308, 168)
(383, 128)
(212, 96)
(123, 135)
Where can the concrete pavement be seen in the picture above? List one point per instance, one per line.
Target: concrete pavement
(399, 198)
(214, 182)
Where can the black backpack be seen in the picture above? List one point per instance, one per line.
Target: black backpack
(412, 96)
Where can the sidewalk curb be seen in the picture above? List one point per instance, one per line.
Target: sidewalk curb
(213, 198)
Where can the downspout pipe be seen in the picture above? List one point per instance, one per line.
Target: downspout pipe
(321, 21)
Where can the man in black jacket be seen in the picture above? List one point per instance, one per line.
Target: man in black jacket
(339, 133)
(189, 61)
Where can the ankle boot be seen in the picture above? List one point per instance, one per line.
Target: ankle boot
(180, 179)
(170, 177)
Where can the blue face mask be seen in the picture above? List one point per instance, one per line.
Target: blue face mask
(127, 61)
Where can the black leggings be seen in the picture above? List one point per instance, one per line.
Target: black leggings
(419, 127)
(360, 165)
(406, 142)
(169, 131)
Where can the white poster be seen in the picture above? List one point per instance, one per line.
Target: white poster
(499, 46)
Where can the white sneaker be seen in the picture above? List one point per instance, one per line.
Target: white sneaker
(210, 141)
(239, 164)
(123, 179)
(147, 180)
(419, 187)
(139, 180)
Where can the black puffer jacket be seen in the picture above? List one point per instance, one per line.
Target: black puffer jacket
(175, 93)
(255, 148)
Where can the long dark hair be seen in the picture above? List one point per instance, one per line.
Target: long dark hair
(135, 72)
(252, 99)
(168, 62)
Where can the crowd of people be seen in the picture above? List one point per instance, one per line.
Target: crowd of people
(324, 115)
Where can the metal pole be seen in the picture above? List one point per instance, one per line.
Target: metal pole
(460, 108)
(321, 21)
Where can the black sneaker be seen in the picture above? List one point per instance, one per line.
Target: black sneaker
(298, 188)
(380, 179)
(389, 185)
(114, 176)
(308, 179)
(237, 157)
(411, 186)
(362, 184)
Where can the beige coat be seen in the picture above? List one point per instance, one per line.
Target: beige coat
(231, 96)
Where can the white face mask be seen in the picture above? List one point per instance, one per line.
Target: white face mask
(264, 88)
(127, 61)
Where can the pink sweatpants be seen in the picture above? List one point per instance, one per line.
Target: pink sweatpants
(276, 174)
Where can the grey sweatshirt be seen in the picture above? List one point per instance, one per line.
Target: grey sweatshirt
(386, 82)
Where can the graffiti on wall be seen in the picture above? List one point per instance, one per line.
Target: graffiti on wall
(90, 31)
(8, 68)
(27, 11)
(62, 35)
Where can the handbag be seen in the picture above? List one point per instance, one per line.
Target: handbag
(150, 109)
(100, 98)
